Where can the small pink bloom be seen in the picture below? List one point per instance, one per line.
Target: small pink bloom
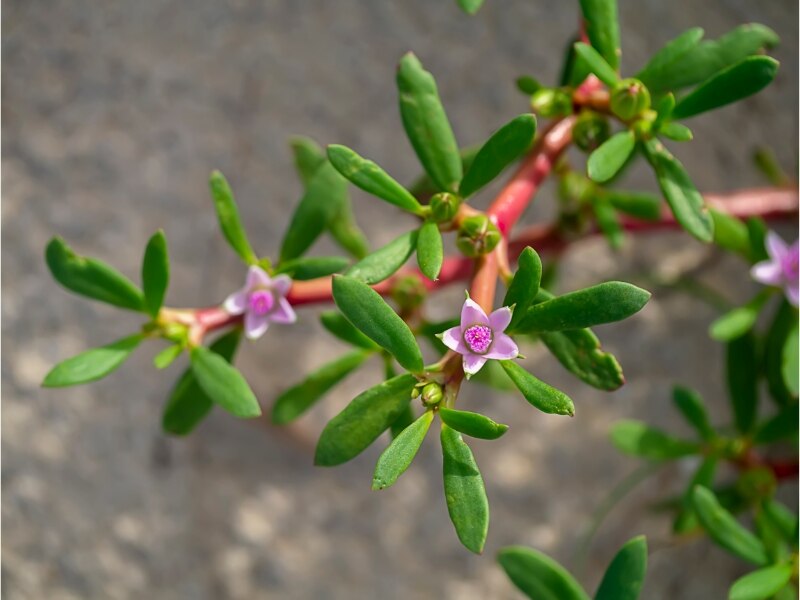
(262, 301)
(781, 270)
(480, 337)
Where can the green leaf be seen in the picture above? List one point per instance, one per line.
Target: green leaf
(504, 146)
(167, 356)
(386, 261)
(325, 195)
(491, 374)
(663, 60)
(472, 424)
(538, 576)
(603, 303)
(639, 439)
(308, 157)
(782, 426)
(464, 491)
(371, 178)
(739, 321)
(609, 158)
(228, 216)
(637, 204)
(784, 521)
(738, 81)
(608, 222)
(155, 272)
(785, 318)
(223, 383)
(597, 64)
(742, 379)
(405, 419)
(345, 231)
(528, 85)
(91, 278)
(470, 6)
(703, 60)
(579, 352)
(544, 397)
(730, 233)
(790, 361)
(525, 284)
(691, 405)
(686, 520)
(430, 251)
(769, 534)
(761, 584)
(682, 196)
(361, 422)
(93, 364)
(423, 187)
(398, 456)
(303, 269)
(757, 231)
(676, 132)
(624, 577)
(602, 27)
(767, 163)
(723, 528)
(299, 398)
(339, 326)
(426, 124)
(365, 309)
(188, 404)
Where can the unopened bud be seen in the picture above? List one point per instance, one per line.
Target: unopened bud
(550, 102)
(575, 187)
(644, 124)
(477, 236)
(432, 394)
(629, 98)
(408, 292)
(591, 129)
(444, 207)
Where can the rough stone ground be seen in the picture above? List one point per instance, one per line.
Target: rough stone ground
(115, 112)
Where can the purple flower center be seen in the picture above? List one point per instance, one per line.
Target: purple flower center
(478, 338)
(260, 302)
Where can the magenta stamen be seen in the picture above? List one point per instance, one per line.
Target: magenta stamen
(261, 302)
(478, 338)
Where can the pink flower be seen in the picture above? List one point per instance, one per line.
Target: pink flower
(480, 337)
(782, 267)
(262, 300)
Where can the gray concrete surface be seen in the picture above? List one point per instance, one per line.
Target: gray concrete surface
(114, 113)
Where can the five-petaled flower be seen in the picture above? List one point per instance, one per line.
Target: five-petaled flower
(262, 301)
(781, 270)
(480, 337)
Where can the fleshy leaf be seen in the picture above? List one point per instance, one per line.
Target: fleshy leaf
(299, 398)
(578, 350)
(385, 261)
(464, 491)
(503, 147)
(663, 60)
(637, 204)
(430, 251)
(470, 6)
(777, 336)
(426, 124)
(371, 178)
(597, 64)
(691, 405)
(303, 269)
(398, 456)
(167, 356)
(624, 577)
(308, 157)
(639, 439)
(155, 273)
(223, 383)
(686, 520)
(782, 426)
(538, 576)
(544, 397)
(93, 364)
(738, 321)
(761, 584)
(361, 422)
(602, 28)
(229, 221)
(365, 309)
(609, 158)
(608, 222)
(472, 424)
(790, 361)
(742, 378)
(91, 278)
(676, 132)
(525, 284)
(339, 326)
(730, 233)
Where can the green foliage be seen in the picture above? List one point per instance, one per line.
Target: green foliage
(472, 424)
(639, 439)
(339, 326)
(578, 350)
(730, 233)
(659, 65)
(597, 64)
(608, 222)
(761, 584)
(155, 273)
(470, 6)
(167, 356)
(608, 159)
(538, 576)
(742, 378)
(398, 456)
(223, 383)
(691, 405)
(430, 251)
(738, 321)
(386, 261)
(602, 27)
(361, 422)
(91, 278)
(464, 491)
(303, 269)
(624, 577)
(637, 204)
(777, 339)
(365, 309)
(525, 285)
(228, 215)
(544, 397)
(93, 364)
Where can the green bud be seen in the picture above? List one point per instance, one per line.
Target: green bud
(591, 129)
(644, 124)
(550, 102)
(629, 98)
(477, 236)
(444, 207)
(175, 332)
(575, 187)
(757, 484)
(414, 392)
(408, 292)
(432, 394)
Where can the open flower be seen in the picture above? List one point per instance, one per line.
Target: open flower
(781, 270)
(262, 301)
(479, 337)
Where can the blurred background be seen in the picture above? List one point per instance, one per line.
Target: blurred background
(114, 114)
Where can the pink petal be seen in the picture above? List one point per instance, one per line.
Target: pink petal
(283, 313)
(257, 277)
(503, 348)
(236, 303)
(453, 339)
(776, 247)
(281, 284)
(792, 293)
(255, 325)
(472, 314)
(473, 364)
(767, 272)
(500, 319)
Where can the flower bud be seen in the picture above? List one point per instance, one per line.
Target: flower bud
(550, 102)
(444, 207)
(408, 292)
(756, 484)
(477, 235)
(575, 187)
(591, 130)
(432, 394)
(629, 98)
(644, 124)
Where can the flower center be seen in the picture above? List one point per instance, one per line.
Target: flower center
(478, 338)
(261, 302)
